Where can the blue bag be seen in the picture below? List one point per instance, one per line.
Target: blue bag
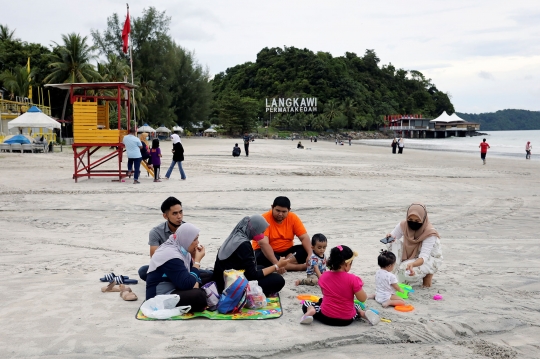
(233, 298)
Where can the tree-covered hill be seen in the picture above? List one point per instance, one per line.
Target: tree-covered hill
(355, 91)
(505, 120)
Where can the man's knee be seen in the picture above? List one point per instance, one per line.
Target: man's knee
(143, 272)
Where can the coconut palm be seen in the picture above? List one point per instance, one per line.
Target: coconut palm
(349, 108)
(18, 81)
(70, 63)
(6, 34)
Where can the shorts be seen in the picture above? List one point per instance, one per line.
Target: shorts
(319, 315)
(483, 155)
(301, 255)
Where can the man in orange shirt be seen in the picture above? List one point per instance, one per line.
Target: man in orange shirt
(279, 238)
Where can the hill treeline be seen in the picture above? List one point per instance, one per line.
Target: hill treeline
(505, 120)
(353, 91)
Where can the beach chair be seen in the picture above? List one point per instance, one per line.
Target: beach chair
(16, 147)
(5, 147)
(27, 147)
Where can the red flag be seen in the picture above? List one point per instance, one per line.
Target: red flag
(125, 34)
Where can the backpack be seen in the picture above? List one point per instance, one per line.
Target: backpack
(233, 298)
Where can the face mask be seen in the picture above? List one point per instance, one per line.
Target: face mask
(258, 237)
(414, 225)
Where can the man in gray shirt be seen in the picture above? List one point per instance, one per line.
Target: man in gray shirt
(173, 213)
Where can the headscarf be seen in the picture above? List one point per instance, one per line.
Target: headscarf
(175, 138)
(244, 231)
(142, 137)
(175, 247)
(412, 240)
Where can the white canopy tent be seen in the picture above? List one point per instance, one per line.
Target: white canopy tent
(145, 128)
(444, 117)
(33, 118)
(177, 129)
(210, 130)
(163, 129)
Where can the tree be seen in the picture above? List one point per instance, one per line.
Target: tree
(238, 114)
(319, 123)
(18, 81)
(70, 63)
(349, 109)
(6, 34)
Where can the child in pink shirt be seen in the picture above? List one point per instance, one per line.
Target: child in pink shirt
(339, 287)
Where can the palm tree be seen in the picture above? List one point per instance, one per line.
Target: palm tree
(18, 81)
(349, 109)
(70, 63)
(332, 112)
(319, 123)
(6, 34)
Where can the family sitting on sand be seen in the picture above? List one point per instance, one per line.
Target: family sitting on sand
(263, 247)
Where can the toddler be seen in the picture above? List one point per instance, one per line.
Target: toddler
(155, 155)
(386, 283)
(339, 287)
(317, 262)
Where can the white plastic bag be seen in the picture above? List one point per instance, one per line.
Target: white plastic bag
(163, 307)
(255, 296)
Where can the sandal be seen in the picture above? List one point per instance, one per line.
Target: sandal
(110, 277)
(127, 294)
(112, 287)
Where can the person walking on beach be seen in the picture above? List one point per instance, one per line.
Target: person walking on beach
(155, 158)
(178, 157)
(483, 150)
(246, 139)
(401, 145)
(528, 149)
(394, 146)
(133, 151)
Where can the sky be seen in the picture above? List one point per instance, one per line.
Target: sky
(484, 53)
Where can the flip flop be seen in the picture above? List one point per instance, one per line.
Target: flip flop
(122, 280)
(112, 287)
(127, 294)
(109, 277)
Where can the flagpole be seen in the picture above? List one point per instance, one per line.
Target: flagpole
(132, 80)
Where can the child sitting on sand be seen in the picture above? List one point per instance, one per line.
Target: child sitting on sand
(317, 261)
(339, 287)
(386, 283)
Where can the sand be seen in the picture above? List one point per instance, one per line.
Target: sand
(59, 237)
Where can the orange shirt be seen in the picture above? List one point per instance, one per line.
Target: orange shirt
(281, 235)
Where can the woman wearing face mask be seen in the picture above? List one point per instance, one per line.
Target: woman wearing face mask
(237, 253)
(417, 247)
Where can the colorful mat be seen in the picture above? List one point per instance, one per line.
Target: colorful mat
(271, 311)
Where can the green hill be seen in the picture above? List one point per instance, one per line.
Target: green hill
(505, 120)
(352, 91)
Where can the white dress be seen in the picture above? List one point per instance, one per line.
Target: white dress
(430, 251)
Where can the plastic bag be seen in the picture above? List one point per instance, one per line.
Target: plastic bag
(255, 296)
(212, 295)
(163, 307)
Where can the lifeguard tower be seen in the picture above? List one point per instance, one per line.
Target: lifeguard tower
(91, 130)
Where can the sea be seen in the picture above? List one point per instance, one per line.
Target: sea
(502, 143)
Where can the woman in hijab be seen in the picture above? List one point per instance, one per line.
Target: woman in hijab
(237, 253)
(178, 157)
(394, 145)
(417, 247)
(174, 269)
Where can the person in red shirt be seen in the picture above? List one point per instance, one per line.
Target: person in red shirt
(483, 150)
(278, 240)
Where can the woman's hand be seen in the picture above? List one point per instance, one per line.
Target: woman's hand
(388, 235)
(282, 263)
(200, 252)
(410, 268)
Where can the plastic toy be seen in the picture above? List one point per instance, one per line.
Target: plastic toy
(437, 297)
(404, 308)
(310, 297)
(374, 311)
(362, 304)
(406, 290)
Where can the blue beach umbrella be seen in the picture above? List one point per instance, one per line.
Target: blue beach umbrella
(18, 139)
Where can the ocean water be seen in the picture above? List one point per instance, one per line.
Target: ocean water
(502, 143)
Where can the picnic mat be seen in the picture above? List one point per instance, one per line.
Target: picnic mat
(271, 311)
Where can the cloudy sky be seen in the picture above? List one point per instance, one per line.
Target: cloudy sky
(484, 53)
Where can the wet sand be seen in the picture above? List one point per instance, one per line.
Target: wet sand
(59, 237)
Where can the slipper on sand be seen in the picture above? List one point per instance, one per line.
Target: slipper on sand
(306, 319)
(109, 277)
(112, 287)
(126, 293)
(372, 318)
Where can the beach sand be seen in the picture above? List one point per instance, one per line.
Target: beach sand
(59, 237)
